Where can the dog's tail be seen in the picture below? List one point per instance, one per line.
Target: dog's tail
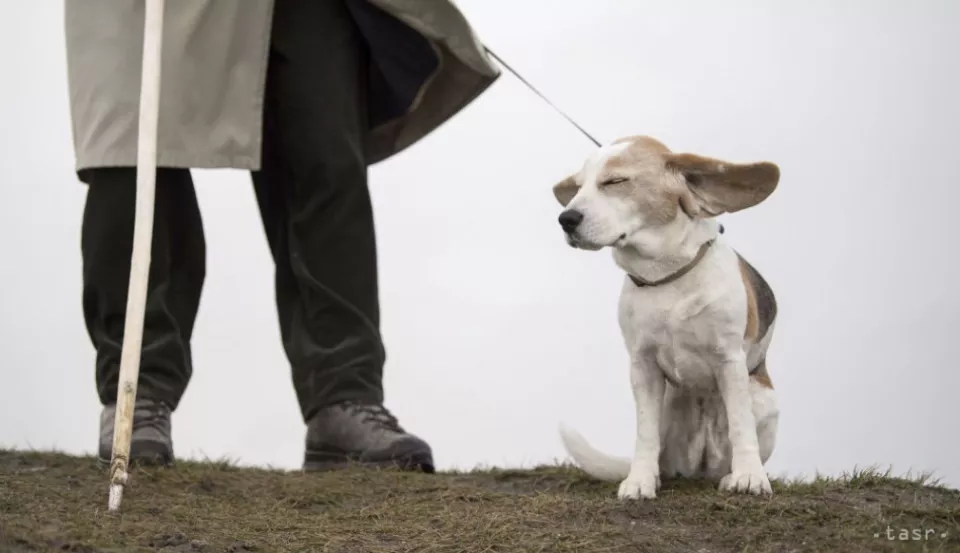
(593, 461)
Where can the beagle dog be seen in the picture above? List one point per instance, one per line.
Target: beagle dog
(696, 318)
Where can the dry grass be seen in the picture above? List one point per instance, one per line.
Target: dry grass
(54, 502)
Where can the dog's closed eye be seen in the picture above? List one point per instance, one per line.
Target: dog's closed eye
(612, 181)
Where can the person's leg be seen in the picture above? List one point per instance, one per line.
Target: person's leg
(177, 271)
(316, 209)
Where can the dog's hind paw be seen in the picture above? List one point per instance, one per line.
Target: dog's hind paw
(751, 482)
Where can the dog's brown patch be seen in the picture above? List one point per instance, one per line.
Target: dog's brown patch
(645, 143)
(643, 161)
(761, 314)
(761, 376)
(752, 332)
(764, 303)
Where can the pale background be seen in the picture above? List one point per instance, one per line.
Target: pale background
(495, 329)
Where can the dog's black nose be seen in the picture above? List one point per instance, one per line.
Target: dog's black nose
(570, 219)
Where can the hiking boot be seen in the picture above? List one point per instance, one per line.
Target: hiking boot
(352, 433)
(150, 443)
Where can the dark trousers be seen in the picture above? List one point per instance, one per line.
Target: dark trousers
(316, 212)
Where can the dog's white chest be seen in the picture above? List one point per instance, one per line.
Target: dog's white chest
(674, 330)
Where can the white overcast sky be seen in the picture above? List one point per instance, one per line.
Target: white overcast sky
(495, 329)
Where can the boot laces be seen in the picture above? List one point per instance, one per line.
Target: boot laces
(375, 414)
(151, 414)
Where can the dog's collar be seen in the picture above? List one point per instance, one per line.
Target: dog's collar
(679, 273)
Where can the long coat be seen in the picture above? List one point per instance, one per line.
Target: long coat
(426, 65)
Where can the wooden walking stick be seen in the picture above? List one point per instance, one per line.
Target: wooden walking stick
(142, 241)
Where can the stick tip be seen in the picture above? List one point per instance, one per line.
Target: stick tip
(116, 495)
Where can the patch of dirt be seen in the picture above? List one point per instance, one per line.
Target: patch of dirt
(52, 502)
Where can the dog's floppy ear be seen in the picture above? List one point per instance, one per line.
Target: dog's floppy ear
(566, 189)
(718, 187)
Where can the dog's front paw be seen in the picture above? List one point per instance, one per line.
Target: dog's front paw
(640, 484)
(752, 482)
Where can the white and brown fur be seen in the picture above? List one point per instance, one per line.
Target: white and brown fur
(705, 404)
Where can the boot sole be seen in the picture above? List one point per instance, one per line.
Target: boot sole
(320, 460)
(146, 454)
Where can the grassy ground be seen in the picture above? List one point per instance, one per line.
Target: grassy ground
(53, 502)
